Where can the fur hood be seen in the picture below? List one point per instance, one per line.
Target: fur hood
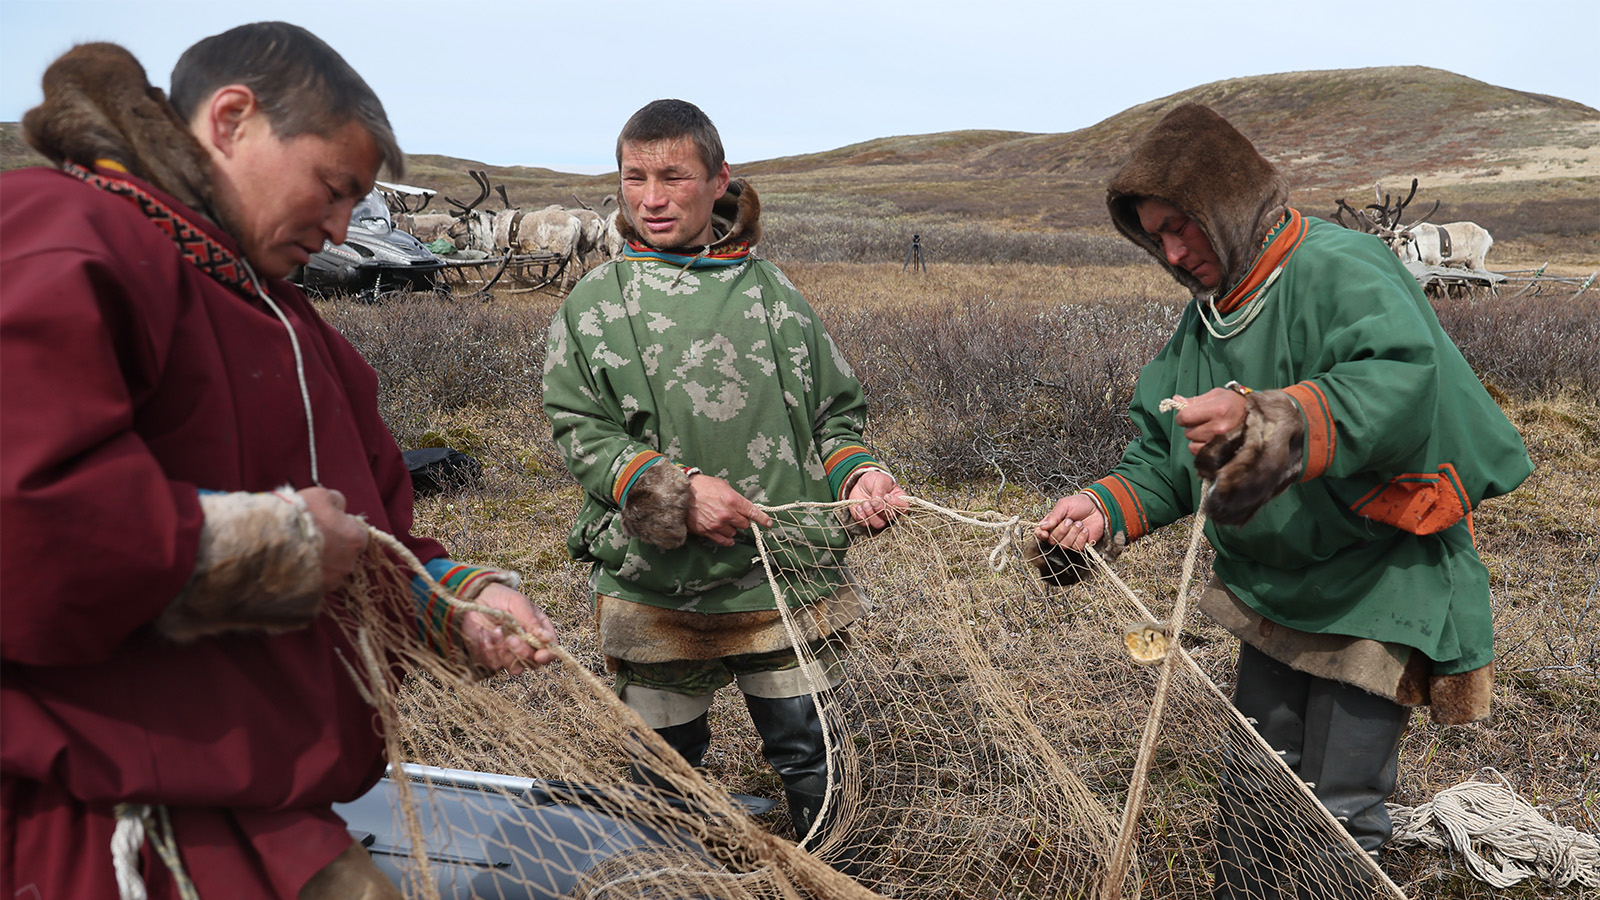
(735, 217)
(1194, 159)
(99, 105)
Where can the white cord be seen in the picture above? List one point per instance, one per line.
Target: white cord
(1252, 309)
(299, 366)
(125, 843)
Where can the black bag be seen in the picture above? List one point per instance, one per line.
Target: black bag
(437, 470)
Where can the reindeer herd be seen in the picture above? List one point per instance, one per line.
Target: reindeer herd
(570, 236)
(1459, 244)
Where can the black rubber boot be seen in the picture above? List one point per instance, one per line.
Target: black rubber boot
(690, 740)
(791, 740)
(1338, 738)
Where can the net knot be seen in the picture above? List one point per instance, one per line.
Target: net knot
(1008, 546)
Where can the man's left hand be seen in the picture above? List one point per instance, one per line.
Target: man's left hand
(494, 649)
(885, 499)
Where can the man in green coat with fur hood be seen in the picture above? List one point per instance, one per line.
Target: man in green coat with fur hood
(686, 382)
(1348, 442)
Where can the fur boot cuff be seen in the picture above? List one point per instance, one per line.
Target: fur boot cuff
(657, 509)
(259, 568)
(1256, 461)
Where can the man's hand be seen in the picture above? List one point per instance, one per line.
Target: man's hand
(885, 499)
(1212, 414)
(488, 642)
(1074, 522)
(344, 537)
(718, 512)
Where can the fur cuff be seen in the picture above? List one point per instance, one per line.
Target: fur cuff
(1463, 698)
(657, 510)
(259, 568)
(1062, 567)
(1256, 461)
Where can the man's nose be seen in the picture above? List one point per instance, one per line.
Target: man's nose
(655, 194)
(337, 225)
(1174, 249)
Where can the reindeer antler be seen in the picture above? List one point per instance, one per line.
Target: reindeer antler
(503, 198)
(482, 181)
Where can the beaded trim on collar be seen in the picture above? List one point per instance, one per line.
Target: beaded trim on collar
(199, 248)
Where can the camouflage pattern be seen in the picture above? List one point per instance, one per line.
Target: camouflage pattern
(715, 363)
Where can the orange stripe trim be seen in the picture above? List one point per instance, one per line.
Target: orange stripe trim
(619, 488)
(1320, 435)
(842, 454)
(1133, 516)
(1276, 250)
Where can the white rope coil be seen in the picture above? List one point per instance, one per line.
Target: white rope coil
(1501, 837)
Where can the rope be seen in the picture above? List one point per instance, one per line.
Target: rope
(1127, 832)
(136, 822)
(1500, 836)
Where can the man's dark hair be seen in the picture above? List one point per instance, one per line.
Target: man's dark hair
(666, 120)
(302, 85)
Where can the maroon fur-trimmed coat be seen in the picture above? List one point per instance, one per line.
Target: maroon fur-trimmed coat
(129, 379)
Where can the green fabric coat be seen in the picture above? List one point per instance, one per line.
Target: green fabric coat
(722, 366)
(1401, 439)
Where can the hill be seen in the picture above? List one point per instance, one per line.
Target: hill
(1519, 163)
(1334, 133)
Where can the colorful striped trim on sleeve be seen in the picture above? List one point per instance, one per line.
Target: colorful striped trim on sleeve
(842, 461)
(436, 619)
(1320, 434)
(1120, 502)
(630, 473)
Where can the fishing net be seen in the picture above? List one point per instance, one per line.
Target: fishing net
(990, 737)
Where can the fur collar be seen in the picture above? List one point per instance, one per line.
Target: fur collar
(735, 217)
(1194, 159)
(99, 106)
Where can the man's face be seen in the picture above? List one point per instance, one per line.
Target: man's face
(668, 193)
(282, 198)
(1182, 240)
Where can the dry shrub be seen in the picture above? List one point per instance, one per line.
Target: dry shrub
(436, 355)
(1528, 347)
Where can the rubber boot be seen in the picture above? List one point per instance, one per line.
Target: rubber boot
(1343, 742)
(791, 741)
(1352, 757)
(690, 740)
(1249, 860)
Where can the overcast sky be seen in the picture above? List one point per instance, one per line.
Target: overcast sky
(550, 83)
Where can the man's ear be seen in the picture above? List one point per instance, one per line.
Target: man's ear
(723, 176)
(223, 119)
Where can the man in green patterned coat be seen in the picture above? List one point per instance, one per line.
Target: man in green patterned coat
(687, 382)
(1349, 442)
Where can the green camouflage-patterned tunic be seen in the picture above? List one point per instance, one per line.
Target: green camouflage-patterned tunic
(718, 363)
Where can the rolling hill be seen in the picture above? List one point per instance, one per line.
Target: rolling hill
(1518, 162)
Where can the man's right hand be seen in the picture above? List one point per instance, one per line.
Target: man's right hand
(1075, 522)
(344, 537)
(718, 512)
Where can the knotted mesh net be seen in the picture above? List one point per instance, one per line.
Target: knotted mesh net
(986, 736)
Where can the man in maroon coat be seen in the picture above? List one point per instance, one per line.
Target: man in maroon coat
(187, 447)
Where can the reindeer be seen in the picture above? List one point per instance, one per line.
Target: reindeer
(1459, 244)
(550, 230)
(593, 236)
